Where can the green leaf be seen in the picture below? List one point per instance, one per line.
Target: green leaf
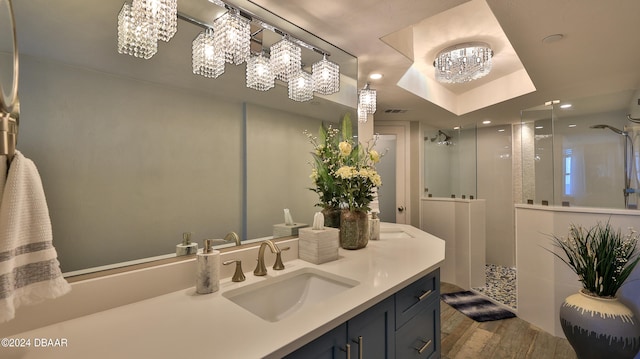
(347, 132)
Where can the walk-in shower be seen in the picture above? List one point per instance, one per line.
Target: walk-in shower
(628, 153)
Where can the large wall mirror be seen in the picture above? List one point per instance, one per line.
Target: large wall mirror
(133, 152)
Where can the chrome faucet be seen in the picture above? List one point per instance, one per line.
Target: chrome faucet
(232, 236)
(261, 269)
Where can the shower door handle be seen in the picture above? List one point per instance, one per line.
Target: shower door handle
(401, 209)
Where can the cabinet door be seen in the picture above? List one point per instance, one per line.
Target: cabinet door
(371, 333)
(329, 346)
(420, 336)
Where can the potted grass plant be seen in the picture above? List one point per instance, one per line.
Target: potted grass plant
(596, 324)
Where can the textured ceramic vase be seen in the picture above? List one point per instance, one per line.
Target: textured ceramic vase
(354, 229)
(599, 327)
(331, 217)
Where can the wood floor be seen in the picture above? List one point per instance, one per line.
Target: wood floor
(464, 338)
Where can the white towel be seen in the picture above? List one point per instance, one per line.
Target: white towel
(29, 267)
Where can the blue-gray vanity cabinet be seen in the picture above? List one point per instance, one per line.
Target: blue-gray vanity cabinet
(418, 319)
(404, 325)
(368, 335)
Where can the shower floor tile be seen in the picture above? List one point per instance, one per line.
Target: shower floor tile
(500, 285)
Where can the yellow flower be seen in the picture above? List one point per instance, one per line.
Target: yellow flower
(346, 172)
(345, 148)
(314, 175)
(375, 156)
(319, 149)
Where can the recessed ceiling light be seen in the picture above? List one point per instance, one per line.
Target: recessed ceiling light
(539, 127)
(552, 38)
(572, 125)
(566, 105)
(375, 76)
(456, 128)
(486, 122)
(501, 130)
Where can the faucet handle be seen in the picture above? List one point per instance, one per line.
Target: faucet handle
(278, 265)
(238, 276)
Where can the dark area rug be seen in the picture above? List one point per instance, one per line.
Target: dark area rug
(476, 306)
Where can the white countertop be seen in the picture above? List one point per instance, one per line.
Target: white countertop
(184, 324)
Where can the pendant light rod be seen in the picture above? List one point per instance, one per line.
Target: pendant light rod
(265, 25)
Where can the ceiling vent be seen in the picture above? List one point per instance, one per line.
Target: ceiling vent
(395, 110)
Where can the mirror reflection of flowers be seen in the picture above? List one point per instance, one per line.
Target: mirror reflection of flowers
(343, 171)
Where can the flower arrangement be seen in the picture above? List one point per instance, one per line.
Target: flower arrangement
(601, 257)
(343, 171)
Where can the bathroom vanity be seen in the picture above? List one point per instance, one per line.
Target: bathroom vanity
(382, 299)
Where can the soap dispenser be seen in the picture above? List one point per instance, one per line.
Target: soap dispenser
(186, 247)
(208, 269)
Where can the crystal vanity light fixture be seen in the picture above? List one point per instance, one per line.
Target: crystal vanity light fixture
(326, 76)
(286, 59)
(232, 36)
(259, 74)
(136, 36)
(142, 23)
(205, 60)
(367, 99)
(301, 86)
(463, 63)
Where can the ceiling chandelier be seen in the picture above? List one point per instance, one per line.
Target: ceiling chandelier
(463, 62)
(143, 23)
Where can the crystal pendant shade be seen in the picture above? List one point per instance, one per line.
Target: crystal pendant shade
(232, 35)
(326, 77)
(136, 36)
(367, 100)
(363, 116)
(259, 74)
(162, 13)
(463, 63)
(301, 87)
(286, 59)
(205, 60)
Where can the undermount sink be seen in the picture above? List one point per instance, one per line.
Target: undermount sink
(278, 297)
(394, 234)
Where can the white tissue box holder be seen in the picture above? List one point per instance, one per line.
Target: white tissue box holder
(283, 230)
(318, 246)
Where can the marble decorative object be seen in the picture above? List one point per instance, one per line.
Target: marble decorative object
(318, 246)
(284, 230)
(208, 272)
(186, 247)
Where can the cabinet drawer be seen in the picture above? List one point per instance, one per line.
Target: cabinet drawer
(413, 298)
(420, 337)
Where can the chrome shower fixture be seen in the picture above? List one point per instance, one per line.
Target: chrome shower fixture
(443, 139)
(618, 131)
(628, 167)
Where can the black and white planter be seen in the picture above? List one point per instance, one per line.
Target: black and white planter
(599, 327)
